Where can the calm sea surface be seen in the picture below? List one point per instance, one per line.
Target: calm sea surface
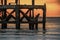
(52, 32)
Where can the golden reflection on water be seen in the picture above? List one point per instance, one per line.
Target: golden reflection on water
(51, 25)
(48, 26)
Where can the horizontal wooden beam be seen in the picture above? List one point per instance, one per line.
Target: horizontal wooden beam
(21, 22)
(22, 6)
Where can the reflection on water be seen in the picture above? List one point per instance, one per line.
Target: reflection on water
(52, 32)
(28, 36)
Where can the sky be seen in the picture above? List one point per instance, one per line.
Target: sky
(52, 6)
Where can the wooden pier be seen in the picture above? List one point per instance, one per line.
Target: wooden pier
(31, 20)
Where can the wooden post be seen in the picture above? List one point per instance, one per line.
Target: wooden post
(5, 2)
(36, 19)
(36, 25)
(16, 1)
(2, 2)
(29, 22)
(32, 17)
(4, 24)
(33, 8)
(17, 17)
(44, 17)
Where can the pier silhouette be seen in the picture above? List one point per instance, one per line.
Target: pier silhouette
(31, 20)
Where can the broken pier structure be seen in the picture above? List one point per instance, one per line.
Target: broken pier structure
(31, 20)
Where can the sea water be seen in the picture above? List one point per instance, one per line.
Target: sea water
(52, 32)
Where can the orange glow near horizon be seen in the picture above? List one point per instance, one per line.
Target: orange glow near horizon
(52, 6)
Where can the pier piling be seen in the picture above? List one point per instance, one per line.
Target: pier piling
(31, 20)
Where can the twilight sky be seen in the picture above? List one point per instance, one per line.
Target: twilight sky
(52, 6)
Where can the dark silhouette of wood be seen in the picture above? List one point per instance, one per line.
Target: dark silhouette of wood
(17, 17)
(5, 2)
(31, 20)
(1, 2)
(4, 24)
(44, 18)
(36, 20)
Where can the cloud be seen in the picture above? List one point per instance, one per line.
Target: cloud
(58, 1)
